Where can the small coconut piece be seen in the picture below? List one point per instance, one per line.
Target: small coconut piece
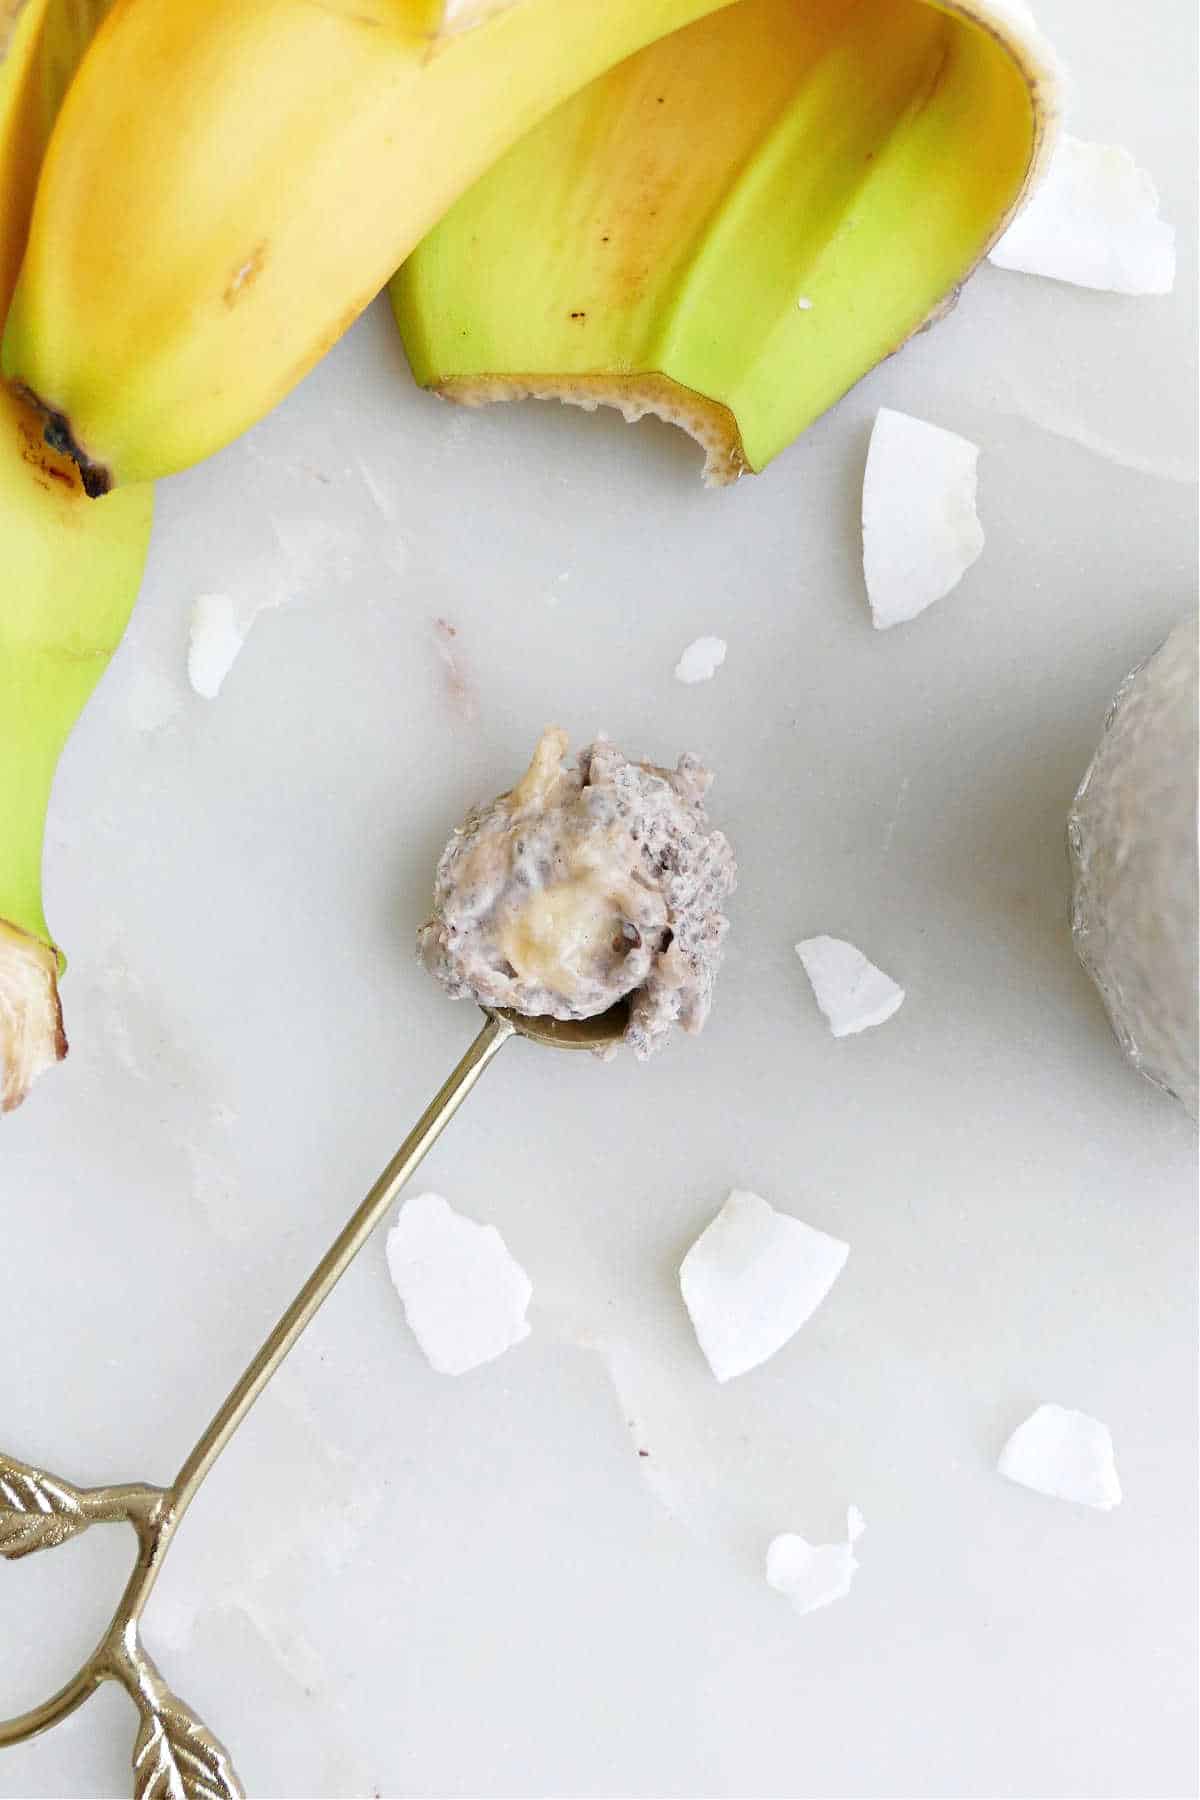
(851, 992)
(1066, 1455)
(921, 532)
(701, 660)
(1093, 222)
(465, 1296)
(752, 1278)
(814, 1575)
(215, 640)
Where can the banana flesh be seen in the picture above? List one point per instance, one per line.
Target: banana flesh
(736, 224)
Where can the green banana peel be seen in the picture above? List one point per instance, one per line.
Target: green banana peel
(733, 226)
(210, 214)
(71, 568)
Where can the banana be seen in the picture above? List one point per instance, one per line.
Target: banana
(736, 224)
(230, 182)
(69, 570)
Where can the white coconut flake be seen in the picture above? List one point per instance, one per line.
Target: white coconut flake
(851, 992)
(921, 532)
(804, 303)
(1093, 222)
(215, 639)
(1066, 1455)
(465, 1296)
(701, 660)
(814, 1575)
(752, 1279)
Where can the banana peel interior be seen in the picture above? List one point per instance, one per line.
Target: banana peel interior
(734, 225)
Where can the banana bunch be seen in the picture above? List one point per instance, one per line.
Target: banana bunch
(69, 569)
(736, 224)
(230, 182)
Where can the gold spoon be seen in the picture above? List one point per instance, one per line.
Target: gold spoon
(176, 1756)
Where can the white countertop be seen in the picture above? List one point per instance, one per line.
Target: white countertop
(398, 1583)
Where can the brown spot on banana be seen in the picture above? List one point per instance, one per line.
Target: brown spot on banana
(245, 275)
(47, 468)
(94, 478)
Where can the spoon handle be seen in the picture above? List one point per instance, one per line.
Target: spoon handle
(38, 1510)
(337, 1259)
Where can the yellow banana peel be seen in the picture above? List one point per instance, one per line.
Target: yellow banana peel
(200, 238)
(736, 224)
(69, 569)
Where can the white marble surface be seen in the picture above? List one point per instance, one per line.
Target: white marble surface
(396, 1583)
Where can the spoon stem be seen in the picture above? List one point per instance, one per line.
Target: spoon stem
(328, 1272)
(337, 1259)
(39, 1510)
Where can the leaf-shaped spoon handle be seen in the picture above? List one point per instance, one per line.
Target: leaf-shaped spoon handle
(176, 1757)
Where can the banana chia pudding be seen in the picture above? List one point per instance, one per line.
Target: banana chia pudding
(586, 885)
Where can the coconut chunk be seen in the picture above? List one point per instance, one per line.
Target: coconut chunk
(465, 1296)
(814, 1575)
(214, 642)
(921, 532)
(752, 1279)
(701, 660)
(851, 992)
(1093, 222)
(1066, 1455)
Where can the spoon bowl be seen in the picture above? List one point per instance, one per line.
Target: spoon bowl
(602, 1032)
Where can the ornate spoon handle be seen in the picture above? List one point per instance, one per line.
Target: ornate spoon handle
(176, 1757)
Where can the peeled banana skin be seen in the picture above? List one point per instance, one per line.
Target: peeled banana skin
(197, 243)
(69, 568)
(737, 223)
